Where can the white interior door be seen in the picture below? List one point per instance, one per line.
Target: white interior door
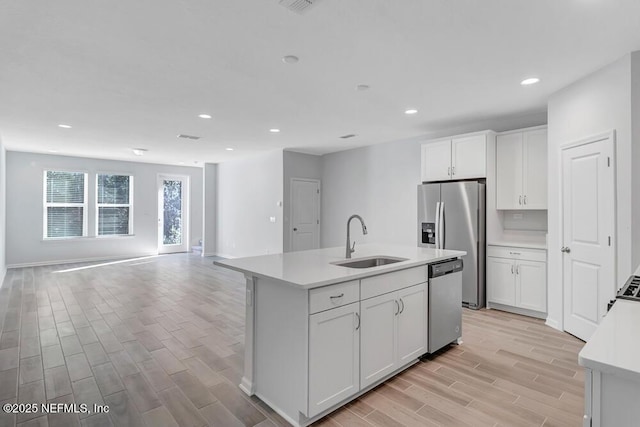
(588, 204)
(305, 214)
(173, 215)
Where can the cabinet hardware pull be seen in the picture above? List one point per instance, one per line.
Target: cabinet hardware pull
(337, 296)
(518, 269)
(514, 253)
(449, 171)
(520, 200)
(397, 307)
(453, 170)
(511, 268)
(402, 306)
(358, 315)
(525, 199)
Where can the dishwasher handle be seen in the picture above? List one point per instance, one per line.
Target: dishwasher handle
(445, 267)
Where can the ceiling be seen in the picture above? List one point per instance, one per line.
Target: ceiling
(136, 74)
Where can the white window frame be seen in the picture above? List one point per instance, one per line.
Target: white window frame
(112, 205)
(46, 205)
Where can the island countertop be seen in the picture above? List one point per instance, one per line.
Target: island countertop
(313, 268)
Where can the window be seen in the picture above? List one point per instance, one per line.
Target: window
(65, 204)
(114, 194)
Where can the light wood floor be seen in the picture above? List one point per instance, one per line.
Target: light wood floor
(160, 341)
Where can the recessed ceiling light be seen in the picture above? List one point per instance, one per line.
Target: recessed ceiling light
(411, 111)
(290, 59)
(139, 151)
(274, 130)
(530, 81)
(229, 149)
(204, 116)
(362, 87)
(64, 126)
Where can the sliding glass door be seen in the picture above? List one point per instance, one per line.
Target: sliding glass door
(173, 215)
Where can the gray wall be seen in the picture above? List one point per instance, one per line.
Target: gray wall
(209, 195)
(380, 183)
(297, 165)
(3, 211)
(598, 103)
(250, 191)
(25, 244)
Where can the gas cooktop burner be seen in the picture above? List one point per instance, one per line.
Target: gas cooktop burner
(631, 289)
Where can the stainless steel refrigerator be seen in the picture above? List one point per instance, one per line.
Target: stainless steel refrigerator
(451, 215)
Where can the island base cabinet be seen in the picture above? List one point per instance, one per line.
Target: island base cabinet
(610, 400)
(412, 323)
(394, 332)
(334, 357)
(378, 337)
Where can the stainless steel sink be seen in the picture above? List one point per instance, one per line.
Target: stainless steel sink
(368, 262)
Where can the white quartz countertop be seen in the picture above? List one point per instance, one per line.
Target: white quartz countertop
(614, 348)
(313, 268)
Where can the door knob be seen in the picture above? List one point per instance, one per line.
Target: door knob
(565, 249)
(295, 229)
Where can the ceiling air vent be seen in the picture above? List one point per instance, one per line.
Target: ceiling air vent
(183, 136)
(298, 6)
(351, 135)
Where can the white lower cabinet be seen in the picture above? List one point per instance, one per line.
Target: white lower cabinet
(517, 278)
(393, 332)
(334, 356)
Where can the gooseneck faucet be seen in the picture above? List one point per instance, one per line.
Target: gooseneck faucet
(351, 249)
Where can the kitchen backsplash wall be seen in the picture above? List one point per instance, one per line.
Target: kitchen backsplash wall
(525, 220)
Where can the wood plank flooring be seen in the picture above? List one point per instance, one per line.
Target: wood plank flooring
(160, 340)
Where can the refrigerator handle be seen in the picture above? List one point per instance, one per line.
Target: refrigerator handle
(437, 225)
(441, 224)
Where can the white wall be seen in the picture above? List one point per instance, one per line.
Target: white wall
(249, 191)
(595, 104)
(25, 244)
(635, 159)
(297, 165)
(209, 191)
(3, 212)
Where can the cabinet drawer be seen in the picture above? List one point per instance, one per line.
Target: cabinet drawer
(517, 253)
(332, 296)
(389, 282)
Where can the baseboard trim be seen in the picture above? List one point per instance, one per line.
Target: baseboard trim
(552, 323)
(3, 274)
(73, 261)
(208, 254)
(225, 256)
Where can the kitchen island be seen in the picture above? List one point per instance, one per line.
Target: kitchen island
(319, 334)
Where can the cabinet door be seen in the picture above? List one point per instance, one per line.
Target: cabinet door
(501, 287)
(412, 323)
(509, 171)
(436, 161)
(531, 285)
(334, 357)
(378, 337)
(534, 185)
(469, 157)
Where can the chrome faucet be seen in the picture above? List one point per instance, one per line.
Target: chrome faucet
(351, 249)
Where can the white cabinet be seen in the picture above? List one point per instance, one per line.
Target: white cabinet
(334, 356)
(521, 170)
(517, 278)
(394, 332)
(459, 157)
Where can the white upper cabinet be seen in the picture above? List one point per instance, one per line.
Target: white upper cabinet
(458, 157)
(521, 170)
(436, 161)
(468, 157)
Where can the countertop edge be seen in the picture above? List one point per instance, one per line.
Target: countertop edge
(389, 268)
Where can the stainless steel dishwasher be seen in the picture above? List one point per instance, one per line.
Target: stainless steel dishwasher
(445, 303)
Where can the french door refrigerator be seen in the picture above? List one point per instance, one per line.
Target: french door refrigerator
(451, 215)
